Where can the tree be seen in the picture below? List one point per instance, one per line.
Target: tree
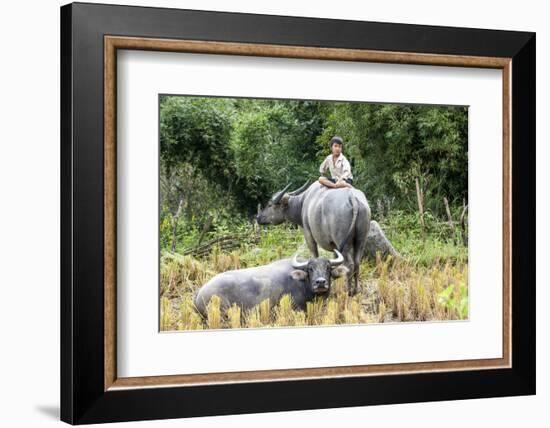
(197, 130)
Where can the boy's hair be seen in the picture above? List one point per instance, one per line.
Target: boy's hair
(336, 140)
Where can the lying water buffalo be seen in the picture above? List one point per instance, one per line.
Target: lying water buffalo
(332, 218)
(248, 287)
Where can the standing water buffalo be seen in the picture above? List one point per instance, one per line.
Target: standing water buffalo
(249, 287)
(332, 218)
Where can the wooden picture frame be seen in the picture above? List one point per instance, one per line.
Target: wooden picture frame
(90, 389)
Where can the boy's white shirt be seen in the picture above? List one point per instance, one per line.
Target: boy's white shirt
(340, 169)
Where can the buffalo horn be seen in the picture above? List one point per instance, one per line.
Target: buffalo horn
(300, 190)
(296, 264)
(280, 194)
(338, 260)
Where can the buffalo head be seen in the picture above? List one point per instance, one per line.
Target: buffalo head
(318, 273)
(275, 210)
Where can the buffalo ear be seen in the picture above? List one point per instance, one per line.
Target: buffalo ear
(298, 274)
(284, 199)
(339, 271)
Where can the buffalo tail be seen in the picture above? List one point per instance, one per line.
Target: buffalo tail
(353, 219)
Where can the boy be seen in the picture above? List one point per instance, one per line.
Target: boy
(338, 165)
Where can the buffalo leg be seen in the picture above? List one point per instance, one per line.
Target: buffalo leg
(359, 249)
(362, 226)
(311, 244)
(357, 265)
(350, 278)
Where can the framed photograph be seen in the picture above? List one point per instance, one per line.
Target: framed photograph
(265, 213)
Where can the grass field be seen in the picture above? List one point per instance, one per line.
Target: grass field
(429, 282)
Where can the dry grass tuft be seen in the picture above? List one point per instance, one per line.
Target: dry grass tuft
(234, 316)
(213, 313)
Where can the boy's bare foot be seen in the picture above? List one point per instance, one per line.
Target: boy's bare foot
(324, 181)
(342, 183)
(339, 184)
